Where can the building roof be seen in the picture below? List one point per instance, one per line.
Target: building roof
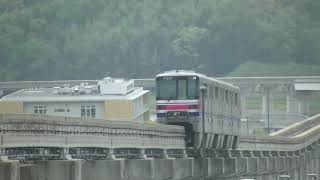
(106, 89)
(48, 95)
(307, 86)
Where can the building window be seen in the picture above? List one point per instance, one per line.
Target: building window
(83, 111)
(93, 111)
(88, 111)
(40, 109)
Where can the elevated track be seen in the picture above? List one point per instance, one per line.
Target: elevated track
(298, 128)
(26, 136)
(294, 138)
(32, 137)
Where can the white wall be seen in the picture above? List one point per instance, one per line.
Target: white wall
(74, 108)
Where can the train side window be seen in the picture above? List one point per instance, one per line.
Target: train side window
(211, 97)
(236, 99)
(232, 98)
(212, 92)
(222, 97)
(206, 94)
(227, 96)
(216, 91)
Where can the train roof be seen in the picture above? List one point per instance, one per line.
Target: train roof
(192, 73)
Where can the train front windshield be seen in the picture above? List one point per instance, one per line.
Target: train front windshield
(177, 87)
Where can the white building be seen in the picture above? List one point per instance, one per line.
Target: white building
(112, 99)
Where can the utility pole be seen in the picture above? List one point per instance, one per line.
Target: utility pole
(268, 109)
(203, 90)
(248, 125)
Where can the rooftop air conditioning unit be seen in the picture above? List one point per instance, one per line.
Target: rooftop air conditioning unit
(115, 86)
(56, 90)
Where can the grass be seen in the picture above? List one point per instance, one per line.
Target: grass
(256, 69)
(254, 103)
(315, 105)
(273, 69)
(279, 105)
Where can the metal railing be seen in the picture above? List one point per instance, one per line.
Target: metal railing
(301, 140)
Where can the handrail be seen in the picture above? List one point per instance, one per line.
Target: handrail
(297, 142)
(298, 127)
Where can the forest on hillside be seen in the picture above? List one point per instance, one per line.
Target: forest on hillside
(88, 39)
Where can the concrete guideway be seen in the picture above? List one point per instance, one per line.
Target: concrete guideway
(258, 157)
(298, 128)
(120, 169)
(293, 138)
(269, 158)
(25, 131)
(230, 168)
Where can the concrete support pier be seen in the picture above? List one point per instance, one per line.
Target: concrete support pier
(302, 167)
(119, 169)
(9, 170)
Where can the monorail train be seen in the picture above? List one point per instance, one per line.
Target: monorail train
(179, 102)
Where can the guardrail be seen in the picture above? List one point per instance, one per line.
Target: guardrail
(278, 143)
(298, 127)
(28, 130)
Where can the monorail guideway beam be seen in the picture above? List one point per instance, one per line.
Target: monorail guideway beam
(259, 157)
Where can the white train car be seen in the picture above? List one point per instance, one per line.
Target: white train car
(178, 102)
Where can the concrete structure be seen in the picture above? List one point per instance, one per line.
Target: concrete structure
(298, 167)
(112, 99)
(288, 97)
(134, 169)
(293, 153)
(257, 124)
(294, 92)
(296, 153)
(27, 136)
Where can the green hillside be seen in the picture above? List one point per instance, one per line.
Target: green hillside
(88, 39)
(275, 69)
